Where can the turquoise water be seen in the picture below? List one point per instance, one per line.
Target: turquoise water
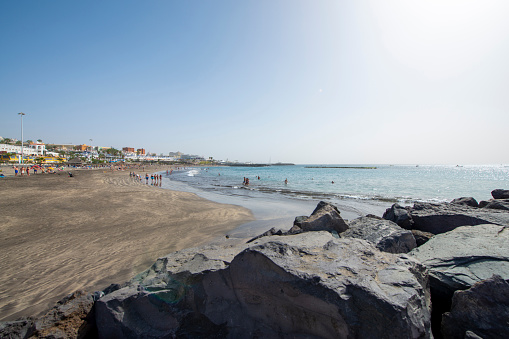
(404, 184)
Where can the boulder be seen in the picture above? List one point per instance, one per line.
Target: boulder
(72, 317)
(305, 285)
(272, 231)
(441, 218)
(386, 235)
(462, 257)
(399, 215)
(498, 204)
(421, 237)
(325, 217)
(467, 201)
(18, 329)
(500, 194)
(483, 203)
(483, 310)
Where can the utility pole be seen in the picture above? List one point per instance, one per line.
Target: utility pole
(21, 114)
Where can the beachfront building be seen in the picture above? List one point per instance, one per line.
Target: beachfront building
(140, 151)
(128, 149)
(175, 155)
(39, 147)
(81, 147)
(8, 148)
(190, 157)
(62, 147)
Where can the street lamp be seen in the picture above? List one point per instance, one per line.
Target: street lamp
(21, 114)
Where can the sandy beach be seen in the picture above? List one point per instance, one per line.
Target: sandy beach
(61, 233)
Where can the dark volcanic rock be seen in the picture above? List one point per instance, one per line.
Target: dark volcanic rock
(483, 204)
(458, 259)
(72, 317)
(325, 217)
(305, 285)
(18, 329)
(441, 218)
(467, 201)
(421, 237)
(399, 215)
(386, 235)
(271, 232)
(500, 204)
(500, 194)
(483, 309)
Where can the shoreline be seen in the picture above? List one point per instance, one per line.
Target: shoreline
(277, 210)
(62, 233)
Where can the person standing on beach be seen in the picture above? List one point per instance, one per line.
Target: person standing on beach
(15, 171)
(146, 177)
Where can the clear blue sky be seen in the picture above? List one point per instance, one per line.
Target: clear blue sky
(288, 80)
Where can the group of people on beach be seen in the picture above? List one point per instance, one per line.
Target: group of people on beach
(156, 179)
(21, 170)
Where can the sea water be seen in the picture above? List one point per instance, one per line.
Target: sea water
(387, 183)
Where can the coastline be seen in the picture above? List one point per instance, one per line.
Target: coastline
(277, 210)
(62, 233)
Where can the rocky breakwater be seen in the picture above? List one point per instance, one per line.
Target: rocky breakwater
(296, 284)
(468, 246)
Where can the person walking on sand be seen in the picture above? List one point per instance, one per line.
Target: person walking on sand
(15, 171)
(146, 178)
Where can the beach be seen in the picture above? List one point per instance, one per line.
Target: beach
(99, 227)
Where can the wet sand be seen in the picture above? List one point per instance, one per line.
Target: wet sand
(60, 234)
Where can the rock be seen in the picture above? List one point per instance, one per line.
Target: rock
(269, 233)
(467, 201)
(483, 204)
(305, 285)
(482, 310)
(458, 259)
(399, 215)
(18, 329)
(386, 235)
(500, 194)
(325, 217)
(471, 335)
(72, 317)
(499, 204)
(441, 218)
(421, 237)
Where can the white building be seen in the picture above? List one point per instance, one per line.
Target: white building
(39, 147)
(17, 149)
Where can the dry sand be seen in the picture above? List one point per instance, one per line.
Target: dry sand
(60, 234)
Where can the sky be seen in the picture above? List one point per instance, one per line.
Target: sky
(301, 81)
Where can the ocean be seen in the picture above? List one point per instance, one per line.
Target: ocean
(386, 183)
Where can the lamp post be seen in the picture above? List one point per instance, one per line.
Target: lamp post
(91, 149)
(21, 114)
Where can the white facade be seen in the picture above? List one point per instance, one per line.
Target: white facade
(17, 149)
(40, 148)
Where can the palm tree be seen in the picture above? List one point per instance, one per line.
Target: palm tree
(39, 140)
